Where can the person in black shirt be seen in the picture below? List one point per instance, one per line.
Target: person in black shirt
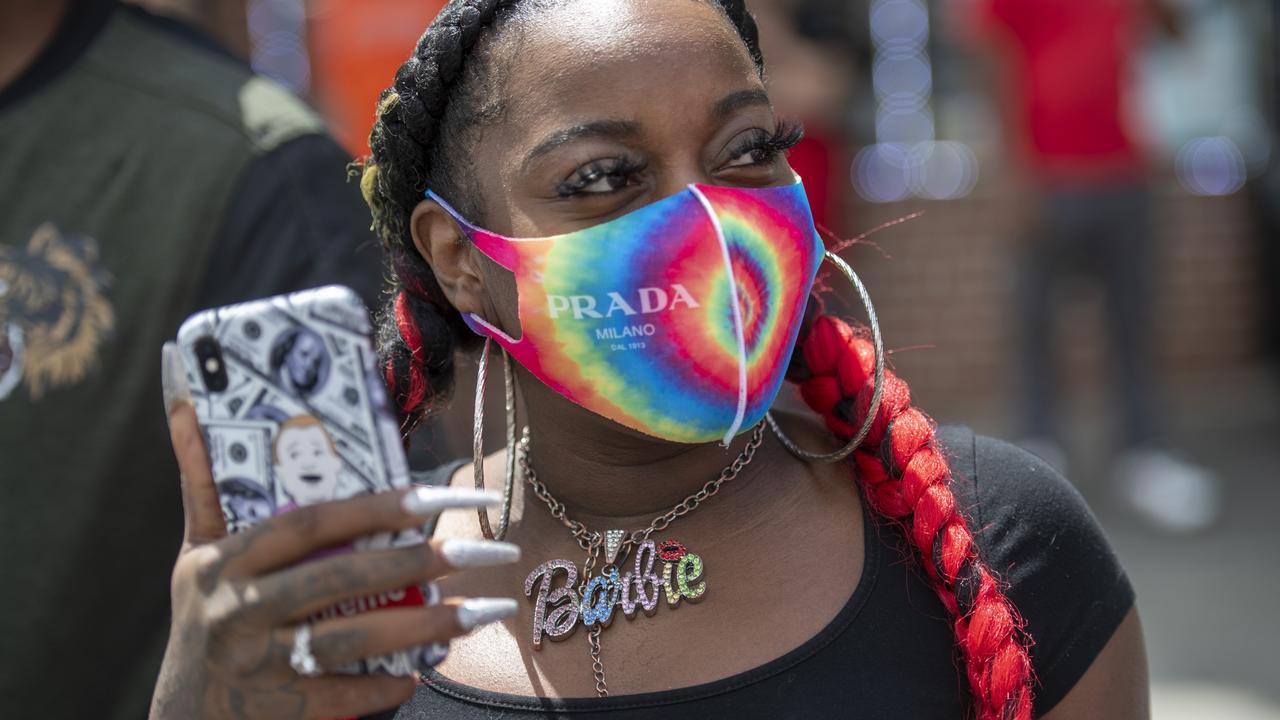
(934, 574)
(146, 174)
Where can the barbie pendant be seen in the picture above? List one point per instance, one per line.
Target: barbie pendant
(663, 568)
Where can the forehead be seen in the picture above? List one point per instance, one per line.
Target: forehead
(637, 60)
(305, 433)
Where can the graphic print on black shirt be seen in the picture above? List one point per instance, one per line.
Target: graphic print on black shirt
(54, 311)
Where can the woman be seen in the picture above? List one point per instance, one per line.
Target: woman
(584, 125)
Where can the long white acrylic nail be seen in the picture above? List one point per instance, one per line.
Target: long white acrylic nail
(462, 553)
(431, 500)
(173, 377)
(482, 611)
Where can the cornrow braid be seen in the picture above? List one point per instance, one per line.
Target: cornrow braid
(905, 478)
(420, 330)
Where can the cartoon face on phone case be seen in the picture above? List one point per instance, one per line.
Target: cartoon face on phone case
(306, 461)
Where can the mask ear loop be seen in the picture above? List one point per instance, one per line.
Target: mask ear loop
(877, 388)
(735, 303)
(497, 247)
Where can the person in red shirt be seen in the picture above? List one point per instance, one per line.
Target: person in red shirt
(1068, 64)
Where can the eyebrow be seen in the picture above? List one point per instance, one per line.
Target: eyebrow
(626, 128)
(598, 128)
(738, 100)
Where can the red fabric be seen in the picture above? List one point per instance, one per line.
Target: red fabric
(811, 159)
(1071, 63)
(356, 46)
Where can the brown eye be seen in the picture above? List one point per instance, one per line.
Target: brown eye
(601, 177)
(750, 157)
(604, 184)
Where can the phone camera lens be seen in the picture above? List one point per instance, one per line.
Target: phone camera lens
(212, 370)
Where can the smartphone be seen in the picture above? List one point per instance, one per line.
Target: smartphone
(294, 412)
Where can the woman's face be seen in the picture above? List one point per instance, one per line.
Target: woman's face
(609, 105)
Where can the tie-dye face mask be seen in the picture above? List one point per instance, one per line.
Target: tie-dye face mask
(677, 319)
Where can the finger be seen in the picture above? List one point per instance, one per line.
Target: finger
(354, 696)
(345, 640)
(200, 506)
(298, 592)
(285, 539)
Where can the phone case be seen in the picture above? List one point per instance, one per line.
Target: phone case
(294, 412)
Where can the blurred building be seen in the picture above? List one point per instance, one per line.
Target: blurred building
(943, 285)
(943, 291)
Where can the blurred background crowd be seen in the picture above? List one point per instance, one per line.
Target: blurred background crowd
(1078, 205)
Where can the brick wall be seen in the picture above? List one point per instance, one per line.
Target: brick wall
(948, 287)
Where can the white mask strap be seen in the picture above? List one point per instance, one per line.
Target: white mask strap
(737, 318)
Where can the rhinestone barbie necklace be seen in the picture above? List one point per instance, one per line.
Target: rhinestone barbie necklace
(565, 598)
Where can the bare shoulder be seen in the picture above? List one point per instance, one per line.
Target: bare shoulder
(1116, 685)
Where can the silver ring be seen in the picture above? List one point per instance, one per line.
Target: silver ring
(300, 658)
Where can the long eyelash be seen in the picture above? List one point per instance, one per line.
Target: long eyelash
(785, 136)
(621, 166)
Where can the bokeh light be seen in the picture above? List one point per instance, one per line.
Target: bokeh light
(1211, 166)
(904, 126)
(902, 80)
(277, 29)
(942, 170)
(906, 160)
(879, 172)
(899, 22)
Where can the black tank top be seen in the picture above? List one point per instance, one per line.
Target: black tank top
(889, 652)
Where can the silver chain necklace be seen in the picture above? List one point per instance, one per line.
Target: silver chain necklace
(594, 598)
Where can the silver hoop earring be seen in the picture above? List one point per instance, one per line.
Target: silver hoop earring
(877, 388)
(477, 445)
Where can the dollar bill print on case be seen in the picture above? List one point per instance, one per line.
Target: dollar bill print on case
(294, 413)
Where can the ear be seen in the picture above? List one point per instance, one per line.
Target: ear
(440, 241)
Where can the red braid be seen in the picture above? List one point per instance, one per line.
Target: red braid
(906, 478)
(412, 397)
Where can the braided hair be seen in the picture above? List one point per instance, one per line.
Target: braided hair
(419, 140)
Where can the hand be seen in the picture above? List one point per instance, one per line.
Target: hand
(238, 600)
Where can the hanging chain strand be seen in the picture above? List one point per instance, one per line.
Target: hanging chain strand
(591, 542)
(597, 665)
(593, 636)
